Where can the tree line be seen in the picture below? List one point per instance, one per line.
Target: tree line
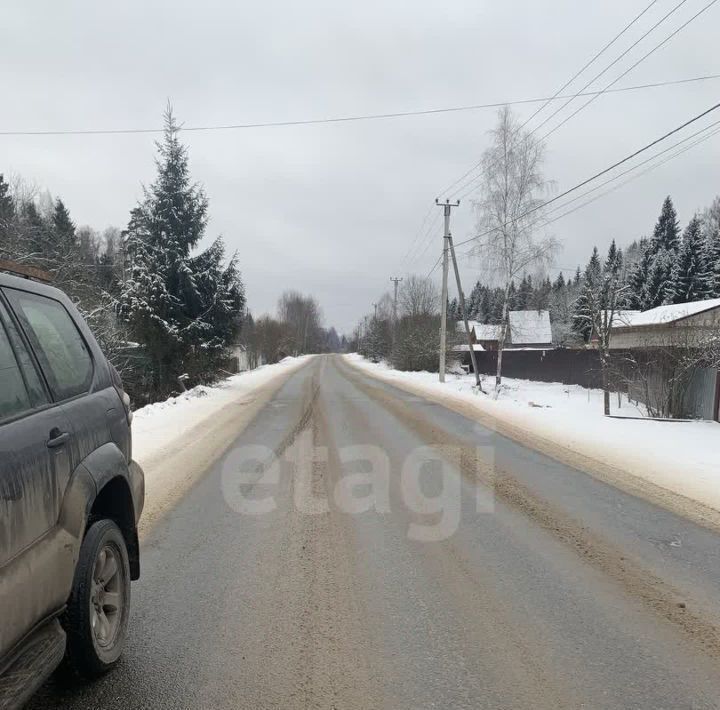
(670, 266)
(165, 310)
(406, 334)
(297, 328)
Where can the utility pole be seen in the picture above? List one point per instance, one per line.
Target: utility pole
(461, 298)
(396, 280)
(375, 305)
(447, 206)
(448, 246)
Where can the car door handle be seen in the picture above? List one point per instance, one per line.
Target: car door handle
(57, 438)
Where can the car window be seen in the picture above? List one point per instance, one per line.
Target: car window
(63, 354)
(33, 383)
(14, 398)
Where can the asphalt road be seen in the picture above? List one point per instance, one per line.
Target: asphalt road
(485, 575)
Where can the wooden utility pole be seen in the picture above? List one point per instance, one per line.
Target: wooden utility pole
(447, 206)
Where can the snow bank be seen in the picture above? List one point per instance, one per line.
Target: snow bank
(682, 457)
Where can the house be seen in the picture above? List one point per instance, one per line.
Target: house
(529, 329)
(484, 336)
(615, 319)
(671, 349)
(667, 326)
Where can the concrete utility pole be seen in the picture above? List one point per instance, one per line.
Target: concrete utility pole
(447, 206)
(395, 281)
(461, 298)
(375, 305)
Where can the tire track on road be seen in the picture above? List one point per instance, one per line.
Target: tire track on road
(655, 594)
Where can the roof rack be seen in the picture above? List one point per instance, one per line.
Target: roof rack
(27, 272)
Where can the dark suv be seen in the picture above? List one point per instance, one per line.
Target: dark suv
(70, 494)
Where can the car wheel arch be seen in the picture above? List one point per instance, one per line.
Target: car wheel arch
(114, 502)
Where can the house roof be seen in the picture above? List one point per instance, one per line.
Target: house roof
(664, 315)
(528, 327)
(460, 325)
(484, 331)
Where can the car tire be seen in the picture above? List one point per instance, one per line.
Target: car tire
(96, 618)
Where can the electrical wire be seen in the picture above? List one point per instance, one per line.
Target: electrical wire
(346, 119)
(597, 175)
(627, 71)
(468, 253)
(468, 187)
(592, 61)
(612, 64)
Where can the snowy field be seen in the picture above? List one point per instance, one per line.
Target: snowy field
(683, 457)
(176, 440)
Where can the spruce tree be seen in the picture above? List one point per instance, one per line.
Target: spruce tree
(711, 250)
(666, 234)
(35, 234)
(7, 206)
(62, 226)
(639, 277)
(524, 294)
(184, 309)
(512, 297)
(582, 310)
(691, 280)
(485, 306)
(658, 287)
(473, 302)
(7, 218)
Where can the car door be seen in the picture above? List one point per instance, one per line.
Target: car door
(67, 363)
(34, 461)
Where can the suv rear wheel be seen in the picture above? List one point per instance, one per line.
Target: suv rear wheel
(97, 614)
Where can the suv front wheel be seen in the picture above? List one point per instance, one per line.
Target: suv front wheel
(97, 613)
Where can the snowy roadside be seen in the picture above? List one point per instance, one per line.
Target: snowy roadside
(680, 457)
(176, 440)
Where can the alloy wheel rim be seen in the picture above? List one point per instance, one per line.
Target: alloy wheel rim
(106, 598)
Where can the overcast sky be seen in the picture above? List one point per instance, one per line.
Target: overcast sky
(333, 209)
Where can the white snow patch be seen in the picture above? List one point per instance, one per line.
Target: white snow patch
(680, 456)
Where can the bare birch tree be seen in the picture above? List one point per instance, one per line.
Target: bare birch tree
(509, 211)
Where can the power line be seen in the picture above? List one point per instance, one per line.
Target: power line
(592, 61)
(597, 175)
(622, 184)
(595, 94)
(437, 263)
(471, 186)
(421, 231)
(640, 164)
(576, 94)
(613, 63)
(627, 71)
(347, 119)
(674, 155)
(468, 253)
